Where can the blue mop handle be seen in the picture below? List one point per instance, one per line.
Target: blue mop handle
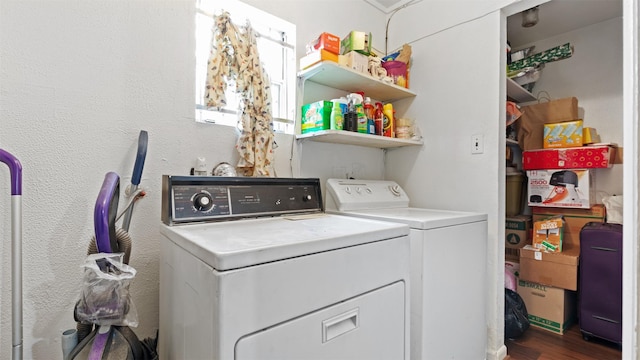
(15, 168)
(143, 139)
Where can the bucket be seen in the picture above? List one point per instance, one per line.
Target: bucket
(397, 70)
(514, 194)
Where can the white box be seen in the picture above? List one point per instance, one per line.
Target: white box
(561, 188)
(356, 61)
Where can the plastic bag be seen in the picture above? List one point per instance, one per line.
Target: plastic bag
(105, 299)
(516, 318)
(613, 204)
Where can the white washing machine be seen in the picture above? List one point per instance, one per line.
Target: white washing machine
(448, 266)
(252, 268)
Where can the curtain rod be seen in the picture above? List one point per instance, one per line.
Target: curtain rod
(259, 34)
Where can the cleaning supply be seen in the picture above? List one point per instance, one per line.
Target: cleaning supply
(362, 119)
(350, 118)
(388, 126)
(337, 120)
(369, 110)
(378, 119)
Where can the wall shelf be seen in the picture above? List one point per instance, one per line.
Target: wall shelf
(518, 93)
(332, 74)
(354, 138)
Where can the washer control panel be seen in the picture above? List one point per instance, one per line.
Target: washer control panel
(188, 199)
(350, 194)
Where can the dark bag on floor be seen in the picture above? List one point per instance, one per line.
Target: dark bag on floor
(516, 318)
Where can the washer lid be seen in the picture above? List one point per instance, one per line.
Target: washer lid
(236, 244)
(418, 218)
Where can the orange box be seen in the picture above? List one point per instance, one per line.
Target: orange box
(316, 57)
(326, 41)
(548, 233)
(563, 134)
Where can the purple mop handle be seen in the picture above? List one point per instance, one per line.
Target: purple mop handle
(104, 209)
(15, 169)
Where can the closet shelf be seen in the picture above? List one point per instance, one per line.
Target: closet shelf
(332, 74)
(354, 138)
(518, 93)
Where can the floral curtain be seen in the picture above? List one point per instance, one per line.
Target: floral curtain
(234, 57)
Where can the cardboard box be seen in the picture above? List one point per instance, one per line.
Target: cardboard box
(549, 308)
(552, 269)
(512, 255)
(315, 57)
(586, 157)
(326, 41)
(547, 234)
(359, 41)
(574, 220)
(355, 61)
(316, 116)
(561, 188)
(517, 231)
(563, 134)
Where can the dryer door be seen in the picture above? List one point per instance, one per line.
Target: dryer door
(370, 326)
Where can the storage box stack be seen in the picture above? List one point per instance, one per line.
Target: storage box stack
(356, 48)
(325, 47)
(560, 190)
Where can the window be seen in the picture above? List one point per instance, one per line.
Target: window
(276, 46)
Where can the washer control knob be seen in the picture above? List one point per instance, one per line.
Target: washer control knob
(347, 190)
(306, 197)
(202, 202)
(395, 190)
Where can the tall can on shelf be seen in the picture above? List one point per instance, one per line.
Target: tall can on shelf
(387, 111)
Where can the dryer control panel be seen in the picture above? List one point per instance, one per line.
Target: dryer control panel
(187, 199)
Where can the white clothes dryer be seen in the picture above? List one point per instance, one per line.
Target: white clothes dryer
(252, 268)
(448, 266)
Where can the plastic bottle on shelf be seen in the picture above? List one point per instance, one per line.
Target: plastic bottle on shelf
(370, 112)
(378, 119)
(337, 120)
(388, 126)
(362, 119)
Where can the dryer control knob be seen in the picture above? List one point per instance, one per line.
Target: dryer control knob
(395, 190)
(203, 202)
(306, 198)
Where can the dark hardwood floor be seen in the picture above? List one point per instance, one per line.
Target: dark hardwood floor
(538, 344)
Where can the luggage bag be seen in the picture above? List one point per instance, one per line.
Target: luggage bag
(600, 284)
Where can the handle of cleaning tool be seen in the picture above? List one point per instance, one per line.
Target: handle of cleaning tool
(15, 169)
(143, 139)
(105, 212)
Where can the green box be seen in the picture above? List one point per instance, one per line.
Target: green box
(359, 41)
(316, 116)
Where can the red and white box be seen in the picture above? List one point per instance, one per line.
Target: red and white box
(561, 188)
(585, 157)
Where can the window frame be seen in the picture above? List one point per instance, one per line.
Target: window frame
(270, 30)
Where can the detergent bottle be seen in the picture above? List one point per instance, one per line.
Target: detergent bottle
(336, 119)
(387, 111)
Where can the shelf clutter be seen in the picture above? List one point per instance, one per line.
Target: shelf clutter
(364, 115)
(549, 203)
